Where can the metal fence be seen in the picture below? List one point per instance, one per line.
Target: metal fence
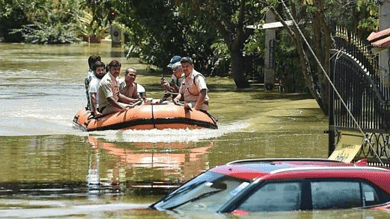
(356, 76)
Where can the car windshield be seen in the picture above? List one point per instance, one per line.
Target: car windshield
(208, 191)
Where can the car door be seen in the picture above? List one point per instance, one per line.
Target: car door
(274, 196)
(344, 193)
(308, 194)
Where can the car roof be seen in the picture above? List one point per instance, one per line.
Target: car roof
(252, 169)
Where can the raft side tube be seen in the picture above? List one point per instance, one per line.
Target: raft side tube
(146, 117)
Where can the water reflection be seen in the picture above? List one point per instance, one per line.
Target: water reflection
(143, 167)
(79, 166)
(43, 158)
(42, 165)
(355, 213)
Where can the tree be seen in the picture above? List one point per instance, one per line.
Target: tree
(322, 16)
(305, 63)
(12, 16)
(155, 32)
(190, 27)
(39, 21)
(230, 18)
(95, 19)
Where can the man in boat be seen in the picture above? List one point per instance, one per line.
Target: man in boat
(99, 70)
(174, 85)
(91, 60)
(110, 99)
(128, 87)
(172, 89)
(193, 89)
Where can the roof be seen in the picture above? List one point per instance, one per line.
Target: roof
(380, 39)
(274, 25)
(255, 168)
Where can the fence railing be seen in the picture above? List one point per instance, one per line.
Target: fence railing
(356, 76)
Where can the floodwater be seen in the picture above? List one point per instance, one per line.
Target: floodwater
(51, 169)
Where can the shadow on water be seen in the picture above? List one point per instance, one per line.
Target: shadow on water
(273, 96)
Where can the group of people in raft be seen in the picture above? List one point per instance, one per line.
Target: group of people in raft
(106, 94)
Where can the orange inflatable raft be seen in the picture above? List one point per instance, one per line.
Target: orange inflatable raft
(147, 117)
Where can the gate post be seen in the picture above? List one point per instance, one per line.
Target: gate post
(116, 36)
(269, 58)
(384, 23)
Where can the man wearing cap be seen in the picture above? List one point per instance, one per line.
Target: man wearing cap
(193, 89)
(174, 86)
(109, 96)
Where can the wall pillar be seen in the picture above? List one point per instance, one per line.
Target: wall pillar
(384, 23)
(116, 37)
(269, 59)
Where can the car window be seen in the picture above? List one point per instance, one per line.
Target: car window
(187, 191)
(227, 188)
(335, 195)
(278, 196)
(208, 191)
(370, 197)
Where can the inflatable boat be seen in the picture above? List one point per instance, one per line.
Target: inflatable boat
(144, 117)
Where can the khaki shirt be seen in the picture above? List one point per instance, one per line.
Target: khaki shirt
(109, 87)
(192, 86)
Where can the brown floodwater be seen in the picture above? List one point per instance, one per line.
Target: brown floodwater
(51, 169)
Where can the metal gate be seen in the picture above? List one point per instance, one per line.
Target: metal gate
(356, 76)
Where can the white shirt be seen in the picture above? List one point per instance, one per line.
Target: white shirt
(94, 88)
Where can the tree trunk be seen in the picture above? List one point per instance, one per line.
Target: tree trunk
(323, 80)
(235, 40)
(306, 69)
(237, 69)
(303, 58)
(305, 64)
(323, 43)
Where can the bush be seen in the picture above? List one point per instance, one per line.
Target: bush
(41, 34)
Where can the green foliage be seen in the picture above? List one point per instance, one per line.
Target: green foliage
(369, 24)
(255, 43)
(221, 58)
(229, 18)
(11, 16)
(287, 63)
(86, 27)
(360, 16)
(155, 32)
(40, 21)
(370, 21)
(39, 33)
(103, 11)
(95, 18)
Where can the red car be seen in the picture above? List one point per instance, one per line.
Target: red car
(255, 185)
